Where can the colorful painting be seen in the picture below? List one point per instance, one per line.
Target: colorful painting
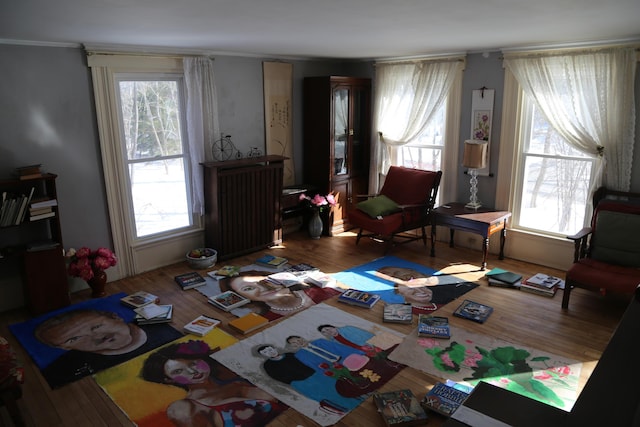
(323, 362)
(470, 358)
(183, 385)
(400, 281)
(85, 338)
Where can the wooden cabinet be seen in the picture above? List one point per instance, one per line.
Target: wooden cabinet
(242, 204)
(337, 140)
(31, 249)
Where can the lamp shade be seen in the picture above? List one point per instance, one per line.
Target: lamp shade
(475, 154)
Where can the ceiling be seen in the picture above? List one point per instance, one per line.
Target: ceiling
(344, 29)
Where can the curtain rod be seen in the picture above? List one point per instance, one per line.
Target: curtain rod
(417, 61)
(564, 52)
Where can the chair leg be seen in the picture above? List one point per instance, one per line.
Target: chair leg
(566, 293)
(9, 399)
(358, 236)
(424, 236)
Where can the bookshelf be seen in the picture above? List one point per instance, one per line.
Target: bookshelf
(31, 249)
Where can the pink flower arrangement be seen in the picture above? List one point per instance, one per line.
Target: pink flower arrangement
(319, 201)
(85, 263)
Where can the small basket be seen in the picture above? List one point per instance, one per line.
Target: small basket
(207, 258)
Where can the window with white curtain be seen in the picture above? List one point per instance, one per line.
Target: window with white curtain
(553, 178)
(426, 151)
(151, 119)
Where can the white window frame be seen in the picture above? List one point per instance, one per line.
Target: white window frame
(533, 247)
(135, 255)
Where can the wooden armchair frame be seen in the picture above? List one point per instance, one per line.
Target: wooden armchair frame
(593, 272)
(415, 192)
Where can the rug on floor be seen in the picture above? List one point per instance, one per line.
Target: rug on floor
(323, 361)
(179, 384)
(470, 357)
(85, 338)
(397, 280)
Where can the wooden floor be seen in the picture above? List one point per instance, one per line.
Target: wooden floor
(581, 333)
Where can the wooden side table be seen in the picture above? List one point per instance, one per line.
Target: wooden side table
(483, 221)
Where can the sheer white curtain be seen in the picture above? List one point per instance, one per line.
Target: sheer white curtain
(588, 97)
(202, 121)
(406, 97)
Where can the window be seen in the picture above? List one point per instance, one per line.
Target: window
(552, 178)
(426, 152)
(154, 152)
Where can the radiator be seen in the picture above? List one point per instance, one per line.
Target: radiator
(242, 204)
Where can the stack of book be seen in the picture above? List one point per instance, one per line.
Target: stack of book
(400, 408)
(433, 326)
(359, 298)
(444, 399)
(272, 261)
(42, 208)
(542, 284)
(189, 280)
(503, 278)
(201, 325)
(151, 314)
(29, 172)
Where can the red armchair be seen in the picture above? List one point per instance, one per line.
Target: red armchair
(404, 203)
(607, 254)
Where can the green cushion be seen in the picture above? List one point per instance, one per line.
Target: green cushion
(378, 206)
(617, 239)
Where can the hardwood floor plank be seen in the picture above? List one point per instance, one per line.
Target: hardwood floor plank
(581, 333)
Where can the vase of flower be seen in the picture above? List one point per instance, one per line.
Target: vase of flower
(90, 266)
(315, 224)
(97, 283)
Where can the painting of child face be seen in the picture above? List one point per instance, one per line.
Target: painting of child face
(186, 371)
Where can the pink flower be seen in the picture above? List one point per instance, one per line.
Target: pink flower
(561, 370)
(542, 376)
(318, 200)
(446, 359)
(428, 342)
(85, 263)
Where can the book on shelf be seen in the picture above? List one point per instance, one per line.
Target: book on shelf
(43, 202)
(505, 276)
(543, 281)
(39, 211)
(201, 325)
(547, 292)
(271, 260)
(228, 300)
(433, 326)
(150, 311)
(359, 298)
(42, 245)
(139, 299)
(190, 280)
(397, 313)
(320, 279)
(29, 171)
(165, 317)
(247, 323)
(400, 408)
(443, 399)
(472, 310)
(227, 271)
(42, 216)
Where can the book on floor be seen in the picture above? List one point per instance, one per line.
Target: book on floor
(139, 299)
(400, 408)
(505, 276)
(472, 310)
(302, 267)
(397, 313)
(443, 399)
(227, 271)
(539, 291)
(166, 317)
(247, 323)
(543, 281)
(189, 280)
(150, 311)
(359, 298)
(228, 300)
(271, 260)
(501, 284)
(201, 325)
(433, 326)
(285, 278)
(320, 279)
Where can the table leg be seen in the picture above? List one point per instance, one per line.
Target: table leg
(451, 231)
(485, 251)
(503, 238)
(433, 240)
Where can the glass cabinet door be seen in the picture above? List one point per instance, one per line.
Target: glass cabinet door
(359, 131)
(341, 130)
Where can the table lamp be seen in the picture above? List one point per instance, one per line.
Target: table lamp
(474, 158)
